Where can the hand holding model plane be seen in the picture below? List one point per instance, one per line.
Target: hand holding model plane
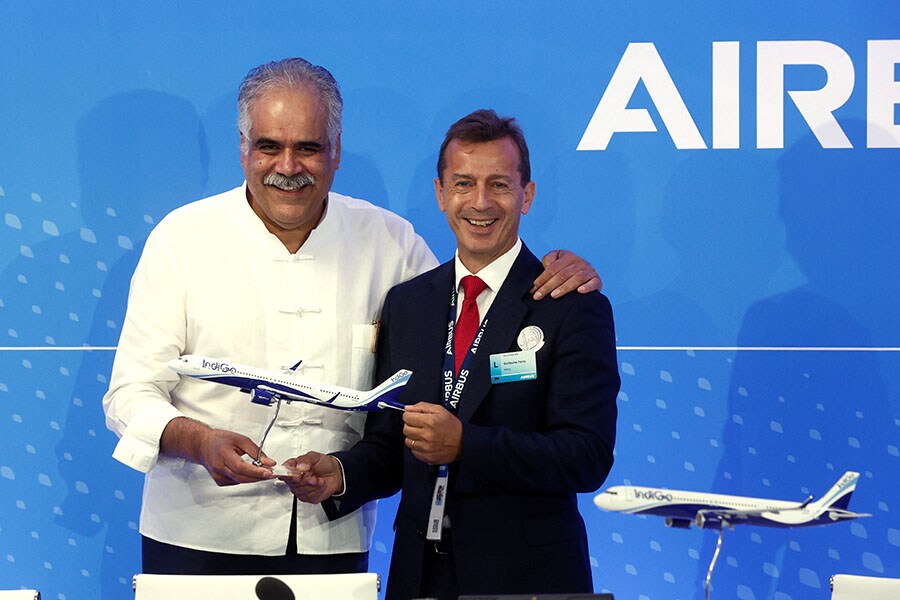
(314, 477)
(431, 432)
(232, 458)
(219, 451)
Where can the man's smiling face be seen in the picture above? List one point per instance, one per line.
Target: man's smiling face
(288, 145)
(483, 197)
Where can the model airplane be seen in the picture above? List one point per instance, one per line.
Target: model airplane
(715, 511)
(266, 386)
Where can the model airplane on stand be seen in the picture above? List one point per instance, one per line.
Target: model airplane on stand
(719, 511)
(714, 511)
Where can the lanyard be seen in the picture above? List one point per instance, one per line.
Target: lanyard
(454, 385)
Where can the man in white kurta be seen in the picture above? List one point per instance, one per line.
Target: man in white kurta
(214, 281)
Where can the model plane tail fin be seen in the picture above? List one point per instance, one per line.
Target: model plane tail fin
(387, 393)
(839, 494)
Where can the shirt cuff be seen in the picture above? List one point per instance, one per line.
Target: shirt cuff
(343, 479)
(139, 446)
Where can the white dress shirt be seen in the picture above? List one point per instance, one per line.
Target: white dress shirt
(493, 275)
(212, 280)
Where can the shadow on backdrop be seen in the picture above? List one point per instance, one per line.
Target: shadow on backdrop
(798, 420)
(727, 243)
(141, 154)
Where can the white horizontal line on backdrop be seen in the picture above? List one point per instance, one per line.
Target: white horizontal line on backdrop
(763, 348)
(621, 348)
(64, 348)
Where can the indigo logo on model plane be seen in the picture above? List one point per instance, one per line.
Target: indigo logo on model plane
(224, 367)
(658, 495)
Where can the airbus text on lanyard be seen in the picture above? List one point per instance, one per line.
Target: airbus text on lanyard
(454, 385)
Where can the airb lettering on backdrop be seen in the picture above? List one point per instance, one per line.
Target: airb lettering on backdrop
(642, 62)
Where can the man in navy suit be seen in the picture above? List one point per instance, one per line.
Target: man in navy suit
(500, 432)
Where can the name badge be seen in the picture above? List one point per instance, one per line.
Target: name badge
(513, 366)
(436, 515)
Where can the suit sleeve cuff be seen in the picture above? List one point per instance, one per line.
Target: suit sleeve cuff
(343, 479)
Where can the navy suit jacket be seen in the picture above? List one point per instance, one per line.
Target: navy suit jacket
(528, 447)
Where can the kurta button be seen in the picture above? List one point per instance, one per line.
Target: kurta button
(420, 533)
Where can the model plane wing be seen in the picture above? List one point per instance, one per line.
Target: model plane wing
(839, 513)
(276, 393)
(737, 513)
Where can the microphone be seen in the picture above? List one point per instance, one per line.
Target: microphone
(270, 588)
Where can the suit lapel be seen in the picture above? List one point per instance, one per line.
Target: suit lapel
(435, 306)
(505, 316)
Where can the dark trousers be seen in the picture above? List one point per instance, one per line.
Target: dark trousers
(439, 570)
(166, 559)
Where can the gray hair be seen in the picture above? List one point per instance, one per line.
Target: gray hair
(290, 73)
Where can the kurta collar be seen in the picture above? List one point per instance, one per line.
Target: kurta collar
(255, 229)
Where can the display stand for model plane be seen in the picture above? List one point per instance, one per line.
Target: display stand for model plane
(717, 511)
(267, 387)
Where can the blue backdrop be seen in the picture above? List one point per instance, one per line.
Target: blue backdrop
(742, 211)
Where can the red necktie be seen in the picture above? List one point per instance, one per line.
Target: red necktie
(467, 324)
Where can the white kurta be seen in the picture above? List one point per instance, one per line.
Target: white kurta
(213, 281)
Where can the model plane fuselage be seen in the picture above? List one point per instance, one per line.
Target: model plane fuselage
(714, 511)
(267, 386)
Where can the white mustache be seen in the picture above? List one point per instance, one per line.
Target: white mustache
(289, 184)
